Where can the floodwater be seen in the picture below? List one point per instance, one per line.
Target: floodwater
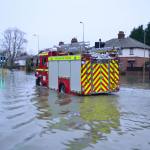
(35, 118)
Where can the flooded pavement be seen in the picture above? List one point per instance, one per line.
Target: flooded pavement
(37, 118)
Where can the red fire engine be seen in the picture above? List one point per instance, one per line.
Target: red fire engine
(77, 69)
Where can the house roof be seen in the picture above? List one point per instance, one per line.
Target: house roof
(126, 43)
(23, 57)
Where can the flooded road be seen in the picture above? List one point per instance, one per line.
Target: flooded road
(36, 118)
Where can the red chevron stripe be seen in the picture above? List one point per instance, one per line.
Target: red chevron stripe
(105, 82)
(83, 75)
(104, 75)
(104, 86)
(115, 66)
(88, 92)
(95, 88)
(105, 70)
(95, 70)
(88, 87)
(82, 82)
(82, 68)
(96, 81)
(96, 76)
(85, 66)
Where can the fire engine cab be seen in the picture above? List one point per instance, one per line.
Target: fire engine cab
(77, 69)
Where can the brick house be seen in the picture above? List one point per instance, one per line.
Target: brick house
(132, 53)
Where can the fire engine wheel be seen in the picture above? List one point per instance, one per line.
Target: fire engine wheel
(62, 88)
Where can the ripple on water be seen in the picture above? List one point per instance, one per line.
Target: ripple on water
(33, 116)
(23, 123)
(15, 115)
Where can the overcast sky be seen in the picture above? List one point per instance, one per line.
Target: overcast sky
(59, 20)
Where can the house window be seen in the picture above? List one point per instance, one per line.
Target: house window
(131, 63)
(131, 51)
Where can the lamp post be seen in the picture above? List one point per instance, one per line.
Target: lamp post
(36, 35)
(83, 33)
(83, 29)
(144, 56)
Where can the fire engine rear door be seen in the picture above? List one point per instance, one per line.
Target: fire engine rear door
(53, 74)
(104, 77)
(114, 74)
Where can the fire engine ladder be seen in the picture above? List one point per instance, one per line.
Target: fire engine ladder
(74, 47)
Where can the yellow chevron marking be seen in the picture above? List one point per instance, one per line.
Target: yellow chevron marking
(85, 74)
(83, 71)
(86, 85)
(117, 77)
(96, 74)
(87, 91)
(87, 82)
(82, 79)
(96, 78)
(111, 70)
(106, 66)
(115, 65)
(113, 61)
(104, 83)
(96, 81)
(98, 89)
(95, 68)
(116, 70)
(111, 65)
(88, 65)
(103, 88)
(106, 74)
(112, 75)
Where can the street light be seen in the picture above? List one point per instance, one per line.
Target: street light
(144, 56)
(83, 29)
(36, 35)
(83, 48)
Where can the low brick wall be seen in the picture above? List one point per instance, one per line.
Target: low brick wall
(138, 62)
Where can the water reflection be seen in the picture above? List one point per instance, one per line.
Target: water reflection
(95, 115)
(3, 75)
(135, 80)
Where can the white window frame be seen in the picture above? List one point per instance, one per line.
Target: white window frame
(131, 51)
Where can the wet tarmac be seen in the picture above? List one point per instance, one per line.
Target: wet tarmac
(38, 118)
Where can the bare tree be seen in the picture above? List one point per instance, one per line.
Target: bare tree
(13, 41)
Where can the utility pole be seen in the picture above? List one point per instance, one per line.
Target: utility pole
(38, 42)
(149, 65)
(83, 33)
(144, 57)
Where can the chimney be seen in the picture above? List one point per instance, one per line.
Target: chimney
(121, 35)
(74, 40)
(61, 43)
